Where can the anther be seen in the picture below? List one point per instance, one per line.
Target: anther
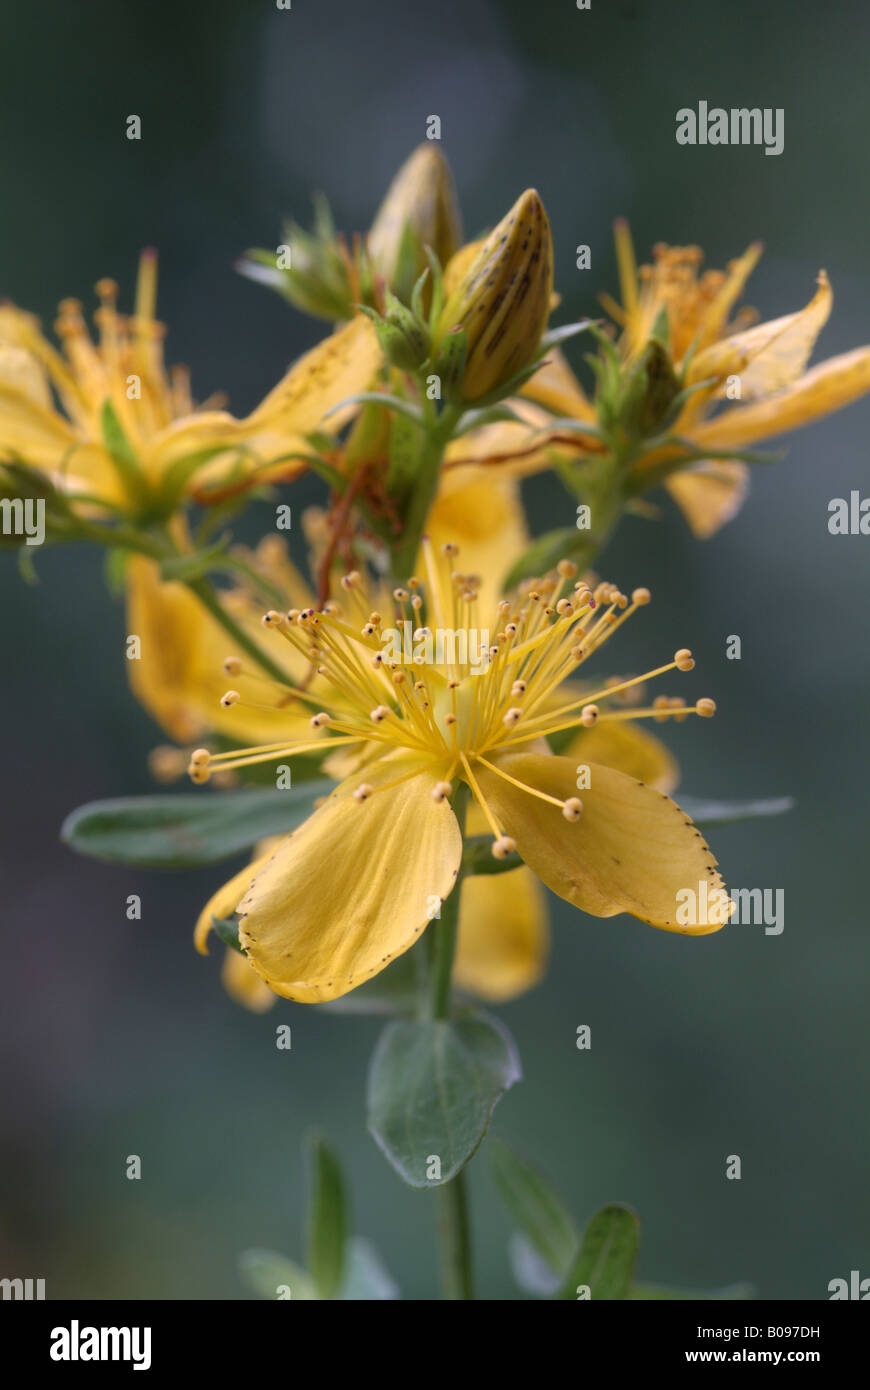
(512, 717)
(318, 720)
(362, 792)
(440, 790)
(273, 618)
(589, 716)
(503, 846)
(566, 568)
(199, 757)
(378, 715)
(231, 697)
(232, 666)
(640, 596)
(572, 808)
(518, 688)
(706, 708)
(683, 659)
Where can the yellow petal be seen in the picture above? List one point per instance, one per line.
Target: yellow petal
(354, 886)
(709, 494)
(824, 389)
(628, 748)
(243, 984)
(481, 511)
(33, 432)
(770, 355)
(739, 272)
(340, 366)
(557, 389)
(504, 936)
(21, 370)
(179, 675)
(632, 850)
(224, 902)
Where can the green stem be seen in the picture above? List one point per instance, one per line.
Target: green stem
(455, 1239)
(438, 433)
(454, 1233)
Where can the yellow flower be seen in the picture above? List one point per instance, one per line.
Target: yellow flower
(357, 883)
(170, 446)
(763, 365)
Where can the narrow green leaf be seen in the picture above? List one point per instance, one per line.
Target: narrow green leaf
(327, 1221)
(605, 1262)
(537, 1210)
(186, 830)
(733, 1292)
(705, 811)
(433, 1085)
(271, 1275)
(554, 336)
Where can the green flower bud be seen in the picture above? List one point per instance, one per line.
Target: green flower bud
(420, 210)
(502, 299)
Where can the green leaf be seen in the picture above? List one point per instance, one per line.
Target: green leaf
(185, 831)
(367, 1279)
(536, 1209)
(705, 811)
(607, 1255)
(327, 1221)
(478, 858)
(433, 1085)
(643, 1292)
(271, 1275)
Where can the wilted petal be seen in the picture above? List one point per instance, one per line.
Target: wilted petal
(709, 494)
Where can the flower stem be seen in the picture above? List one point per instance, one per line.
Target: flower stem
(445, 926)
(454, 1234)
(454, 1238)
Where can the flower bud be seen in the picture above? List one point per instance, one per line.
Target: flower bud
(420, 210)
(503, 299)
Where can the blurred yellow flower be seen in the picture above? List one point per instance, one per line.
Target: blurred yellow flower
(108, 422)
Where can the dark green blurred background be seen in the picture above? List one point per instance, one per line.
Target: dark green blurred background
(117, 1038)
